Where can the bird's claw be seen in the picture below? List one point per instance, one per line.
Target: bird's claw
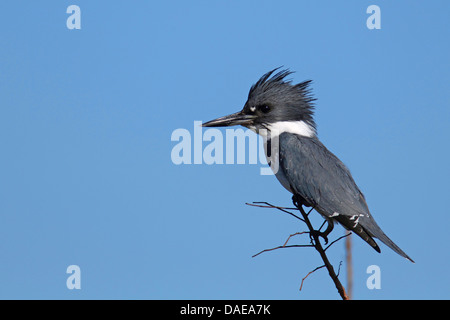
(317, 234)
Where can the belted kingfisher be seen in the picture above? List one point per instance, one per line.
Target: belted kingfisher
(276, 108)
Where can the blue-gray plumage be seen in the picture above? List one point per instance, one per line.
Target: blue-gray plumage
(278, 109)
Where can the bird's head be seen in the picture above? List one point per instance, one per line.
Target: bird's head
(274, 103)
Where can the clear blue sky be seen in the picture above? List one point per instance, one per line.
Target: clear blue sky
(86, 117)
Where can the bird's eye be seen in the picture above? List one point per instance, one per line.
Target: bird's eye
(264, 108)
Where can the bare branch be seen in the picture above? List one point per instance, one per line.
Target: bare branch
(333, 242)
(301, 285)
(292, 235)
(314, 237)
(339, 268)
(284, 246)
(319, 249)
(268, 205)
(323, 223)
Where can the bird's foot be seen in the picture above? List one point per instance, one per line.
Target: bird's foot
(324, 234)
(315, 234)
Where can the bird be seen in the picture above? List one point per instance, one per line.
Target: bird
(283, 112)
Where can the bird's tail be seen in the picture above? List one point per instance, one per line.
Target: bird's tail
(376, 232)
(368, 232)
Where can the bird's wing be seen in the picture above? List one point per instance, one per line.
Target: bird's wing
(321, 179)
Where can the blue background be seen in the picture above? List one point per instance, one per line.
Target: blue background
(86, 118)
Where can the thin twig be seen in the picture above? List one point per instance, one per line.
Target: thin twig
(268, 205)
(283, 246)
(333, 242)
(339, 268)
(323, 223)
(301, 285)
(294, 234)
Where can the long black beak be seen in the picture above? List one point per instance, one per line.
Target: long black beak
(238, 118)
